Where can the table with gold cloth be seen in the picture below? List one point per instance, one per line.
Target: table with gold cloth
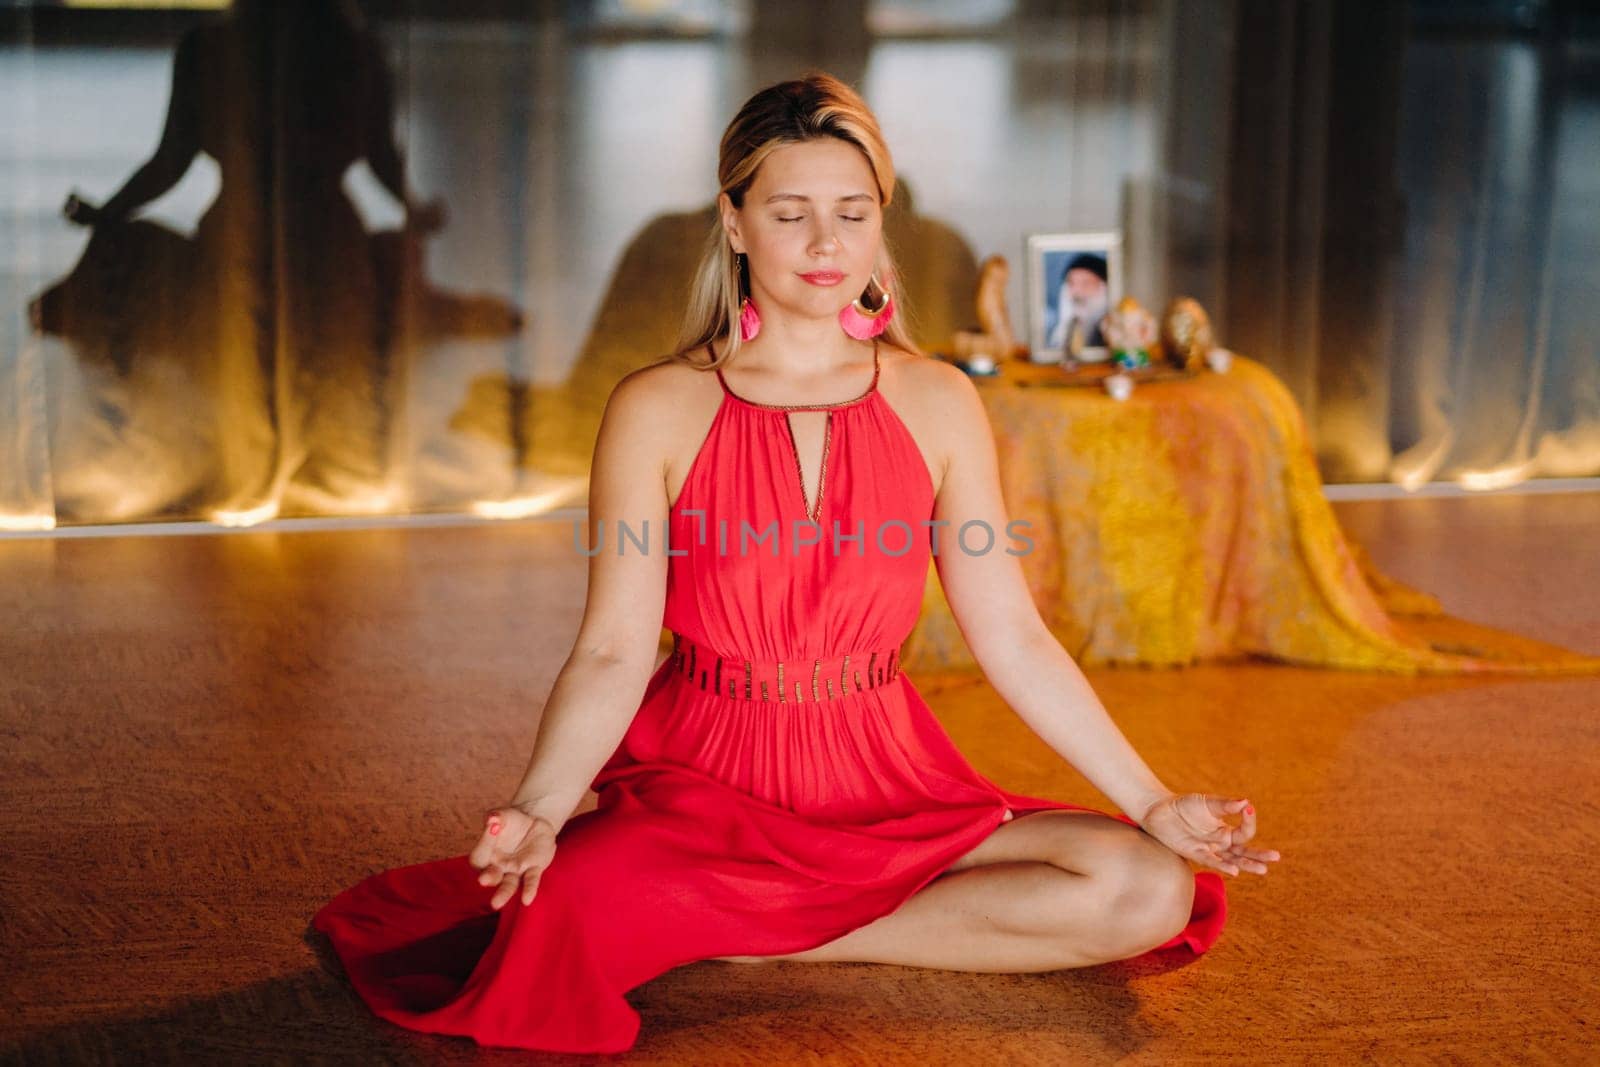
(1187, 523)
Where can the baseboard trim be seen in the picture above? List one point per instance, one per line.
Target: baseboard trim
(1346, 491)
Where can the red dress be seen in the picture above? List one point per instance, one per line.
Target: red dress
(782, 783)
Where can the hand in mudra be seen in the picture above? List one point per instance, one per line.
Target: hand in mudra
(1191, 825)
(80, 211)
(514, 852)
(428, 216)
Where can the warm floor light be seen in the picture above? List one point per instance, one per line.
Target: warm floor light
(1497, 477)
(553, 491)
(247, 517)
(386, 501)
(517, 508)
(27, 522)
(1416, 466)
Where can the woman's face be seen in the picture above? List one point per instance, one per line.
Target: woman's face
(812, 207)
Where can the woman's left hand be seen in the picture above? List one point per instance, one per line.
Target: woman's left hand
(1192, 825)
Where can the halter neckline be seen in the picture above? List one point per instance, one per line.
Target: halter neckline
(865, 394)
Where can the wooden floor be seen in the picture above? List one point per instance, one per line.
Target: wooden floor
(206, 737)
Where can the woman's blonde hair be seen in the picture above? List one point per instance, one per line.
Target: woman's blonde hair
(808, 108)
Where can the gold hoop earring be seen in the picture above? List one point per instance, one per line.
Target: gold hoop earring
(862, 321)
(866, 309)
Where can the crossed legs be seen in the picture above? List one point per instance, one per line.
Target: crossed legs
(1048, 891)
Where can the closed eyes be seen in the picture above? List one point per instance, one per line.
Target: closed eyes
(847, 218)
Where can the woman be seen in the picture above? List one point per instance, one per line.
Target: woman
(745, 814)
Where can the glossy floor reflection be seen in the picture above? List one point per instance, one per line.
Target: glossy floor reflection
(207, 736)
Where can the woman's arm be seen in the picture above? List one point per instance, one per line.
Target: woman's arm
(380, 147)
(598, 691)
(995, 612)
(171, 159)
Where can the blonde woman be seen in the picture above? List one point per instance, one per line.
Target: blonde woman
(776, 789)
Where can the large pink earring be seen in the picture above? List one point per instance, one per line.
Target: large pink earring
(749, 320)
(862, 321)
(749, 317)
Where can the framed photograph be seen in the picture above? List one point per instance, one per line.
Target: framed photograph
(1073, 280)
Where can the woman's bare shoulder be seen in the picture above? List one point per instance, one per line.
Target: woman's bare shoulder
(663, 388)
(929, 386)
(935, 399)
(665, 408)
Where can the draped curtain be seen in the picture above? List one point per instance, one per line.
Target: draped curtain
(391, 258)
(1404, 226)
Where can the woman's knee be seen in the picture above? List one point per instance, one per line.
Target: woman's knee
(1129, 891)
(1147, 891)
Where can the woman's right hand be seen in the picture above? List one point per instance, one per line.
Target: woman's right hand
(428, 216)
(80, 211)
(514, 852)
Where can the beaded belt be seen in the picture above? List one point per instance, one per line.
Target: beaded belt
(797, 681)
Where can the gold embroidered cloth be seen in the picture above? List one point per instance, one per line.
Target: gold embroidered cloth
(1187, 523)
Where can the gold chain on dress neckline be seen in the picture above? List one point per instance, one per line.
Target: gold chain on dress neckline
(870, 389)
(813, 510)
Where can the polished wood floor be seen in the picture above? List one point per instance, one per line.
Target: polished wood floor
(205, 737)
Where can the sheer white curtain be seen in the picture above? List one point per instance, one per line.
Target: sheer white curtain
(1497, 331)
(1399, 221)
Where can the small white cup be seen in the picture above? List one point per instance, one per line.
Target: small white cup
(1120, 386)
(1219, 360)
(980, 364)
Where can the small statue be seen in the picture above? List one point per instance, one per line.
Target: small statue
(1186, 336)
(994, 337)
(1132, 334)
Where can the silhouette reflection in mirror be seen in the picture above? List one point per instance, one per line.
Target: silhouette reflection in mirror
(258, 367)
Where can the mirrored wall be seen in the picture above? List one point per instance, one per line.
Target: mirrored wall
(311, 257)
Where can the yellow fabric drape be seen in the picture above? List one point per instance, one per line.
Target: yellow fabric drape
(1188, 523)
